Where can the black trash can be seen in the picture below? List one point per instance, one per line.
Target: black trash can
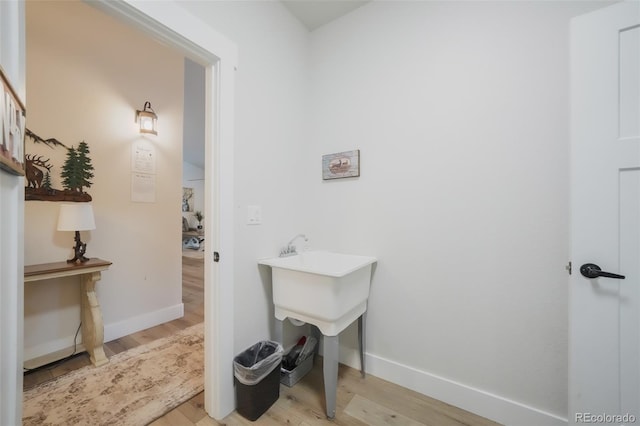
(257, 376)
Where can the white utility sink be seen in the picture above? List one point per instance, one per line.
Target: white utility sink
(326, 289)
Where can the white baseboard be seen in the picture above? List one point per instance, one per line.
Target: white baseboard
(477, 401)
(52, 356)
(141, 322)
(58, 347)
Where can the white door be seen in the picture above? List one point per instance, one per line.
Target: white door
(604, 334)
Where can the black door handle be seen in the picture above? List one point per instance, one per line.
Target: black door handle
(591, 270)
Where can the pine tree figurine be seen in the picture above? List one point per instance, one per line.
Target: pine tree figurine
(77, 169)
(84, 165)
(70, 170)
(46, 182)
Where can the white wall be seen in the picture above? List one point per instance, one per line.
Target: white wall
(87, 74)
(12, 60)
(271, 96)
(460, 110)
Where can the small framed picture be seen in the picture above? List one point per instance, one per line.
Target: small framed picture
(12, 114)
(341, 165)
(187, 199)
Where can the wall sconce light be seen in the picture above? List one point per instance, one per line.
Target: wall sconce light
(147, 119)
(77, 217)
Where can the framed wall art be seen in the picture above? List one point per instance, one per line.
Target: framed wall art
(12, 120)
(187, 199)
(341, 165)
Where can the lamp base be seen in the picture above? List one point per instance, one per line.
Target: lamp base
(79, 250)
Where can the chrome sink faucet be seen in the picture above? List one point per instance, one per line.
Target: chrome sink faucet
(290, 249)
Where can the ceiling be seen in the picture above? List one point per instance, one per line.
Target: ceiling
(315, 13)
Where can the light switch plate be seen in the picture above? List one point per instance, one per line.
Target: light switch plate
(254, 215)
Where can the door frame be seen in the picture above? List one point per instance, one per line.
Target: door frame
(172, 25)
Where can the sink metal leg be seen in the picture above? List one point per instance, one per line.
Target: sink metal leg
(277, 332)
(362, 340)
(330, 370)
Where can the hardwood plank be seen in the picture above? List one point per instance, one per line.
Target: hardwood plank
(150, 334)
(207, 421)
(162, 421)
(120, 345)
(375, 414)
(194, 409)
(174, 418)
(412, 404)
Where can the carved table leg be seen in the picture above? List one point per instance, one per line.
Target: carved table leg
(92, 326)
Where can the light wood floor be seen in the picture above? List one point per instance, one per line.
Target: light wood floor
(370, 401)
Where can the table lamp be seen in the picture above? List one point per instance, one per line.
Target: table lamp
(77, 217)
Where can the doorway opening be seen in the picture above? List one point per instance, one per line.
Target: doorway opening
(192, 240)
(172, 25)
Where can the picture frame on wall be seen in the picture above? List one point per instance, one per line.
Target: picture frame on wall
(12, 128)
(341, 165)
(187, 199)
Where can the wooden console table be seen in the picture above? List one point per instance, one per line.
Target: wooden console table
(89, 272)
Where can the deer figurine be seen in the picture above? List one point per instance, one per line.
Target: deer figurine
(34, 174)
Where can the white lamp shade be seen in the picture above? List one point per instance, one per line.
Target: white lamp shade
(76, 217)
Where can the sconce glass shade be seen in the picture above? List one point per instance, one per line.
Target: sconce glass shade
(76, 217)
(147, 119)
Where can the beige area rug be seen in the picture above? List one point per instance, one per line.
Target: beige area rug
(134, 388)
